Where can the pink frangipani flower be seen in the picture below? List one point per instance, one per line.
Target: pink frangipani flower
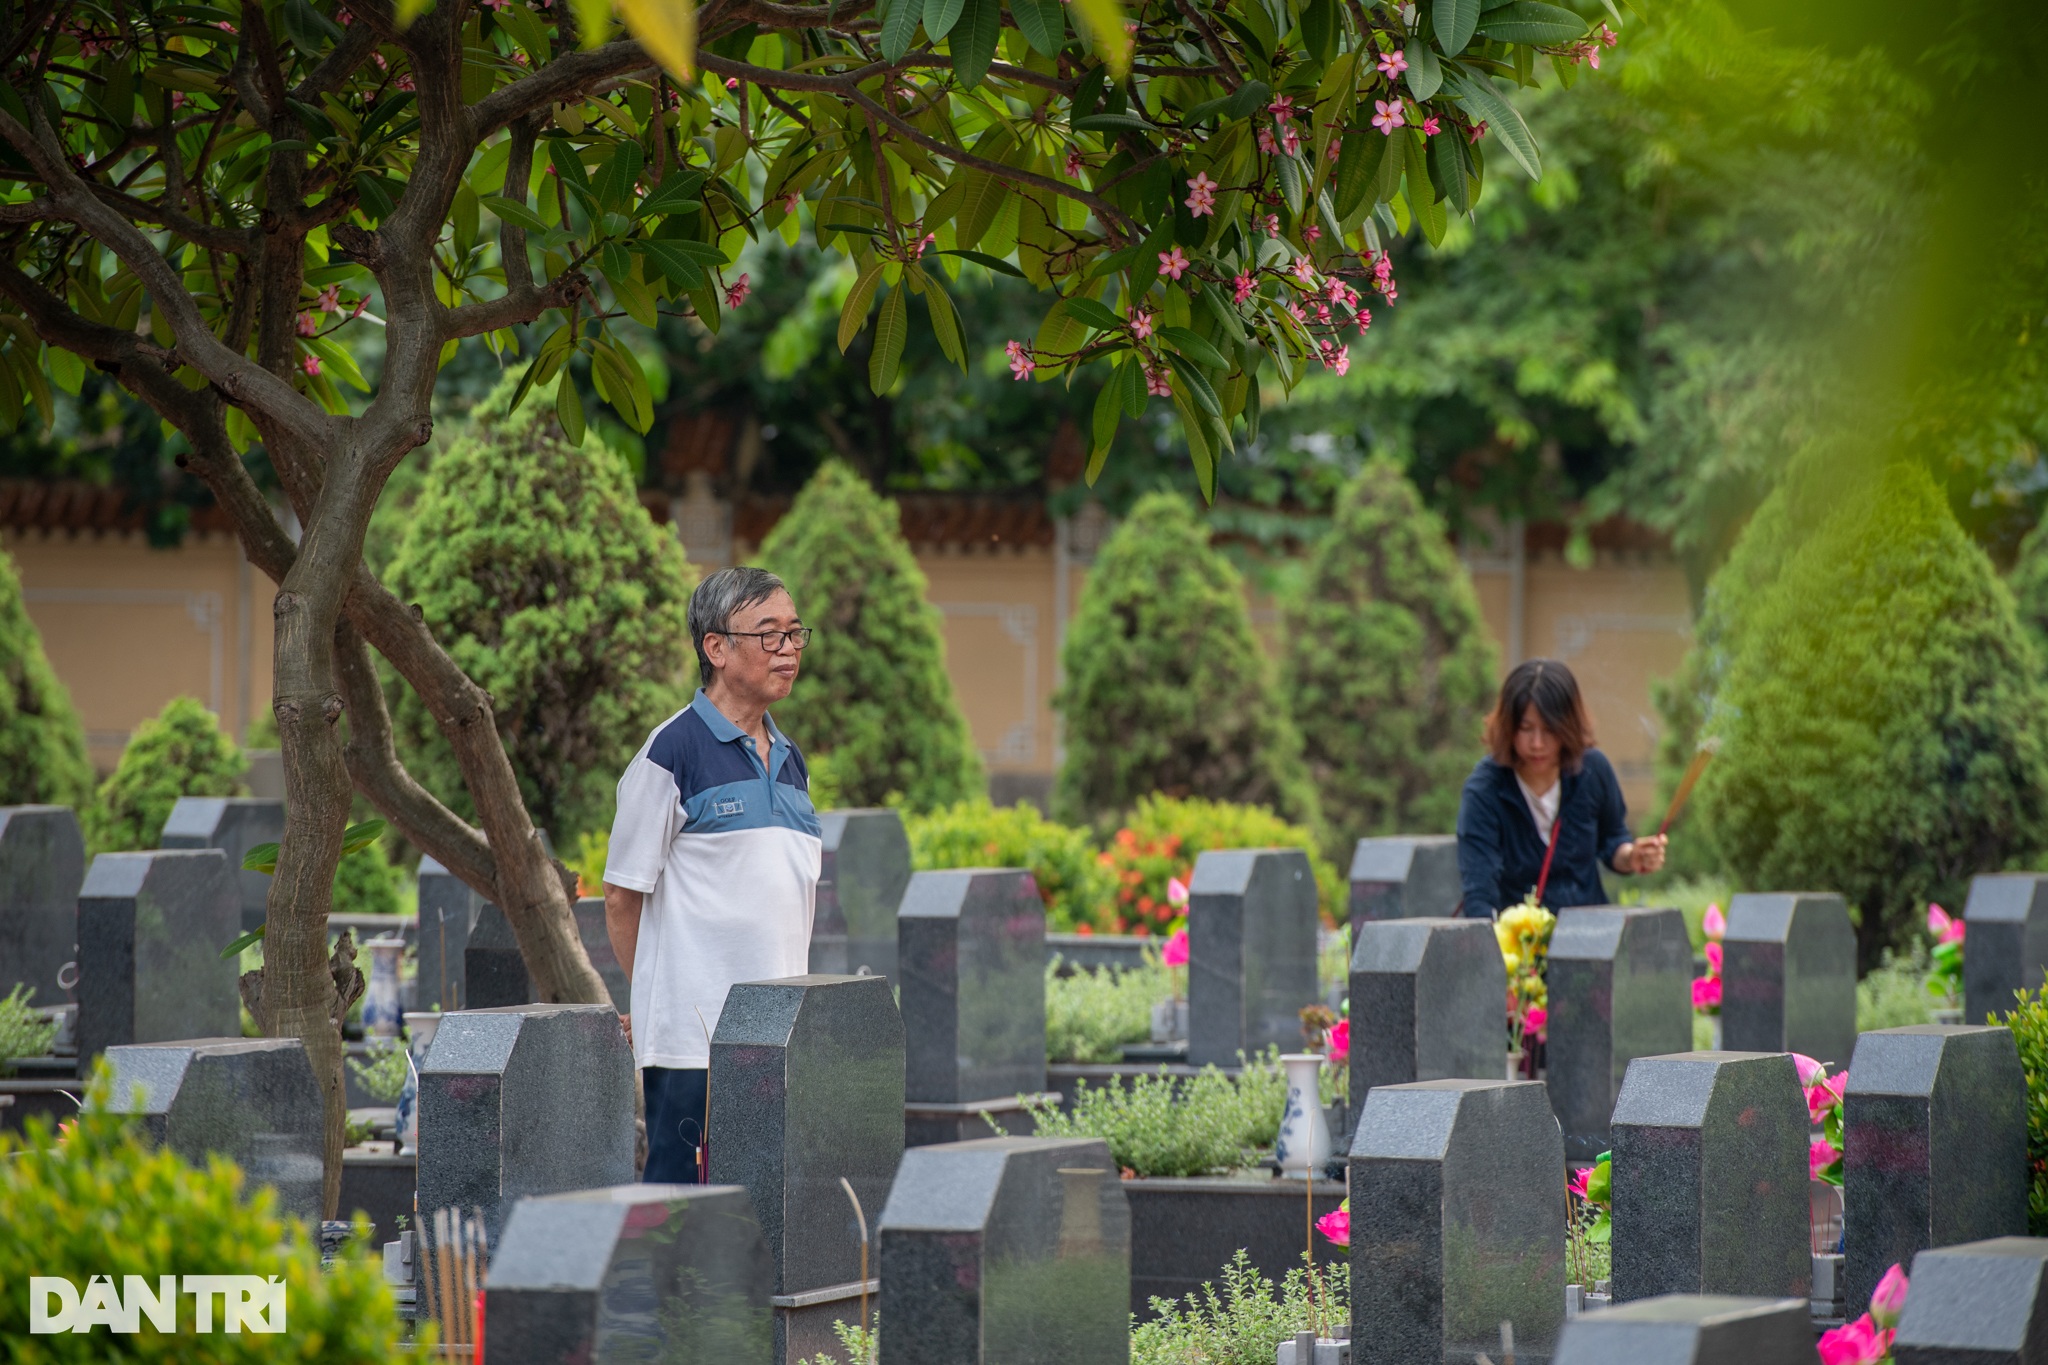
(737, 293)
(1242, 288)
(1431, 126)
(1173, 264)
(308, 324)
(1304, 270)
(329, 300)
(1388, 115)
(1392, 64)
(1201, 200)
(1282, 108)
(1141, 328)
(1478, 131)
(1021, 361)
(311, 365)
(1158, 383)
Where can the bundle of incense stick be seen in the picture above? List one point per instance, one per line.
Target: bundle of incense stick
(1691, 779)
(454, 1275)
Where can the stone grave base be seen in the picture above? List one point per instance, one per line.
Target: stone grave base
(926, 1125)
(1062, 1076)
(1183, 1232)
(804, 1323)
(382, 1186)
(23, 1098)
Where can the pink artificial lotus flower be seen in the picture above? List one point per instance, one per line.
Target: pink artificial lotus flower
(1581, 1183)
(1715, 924)
(1706, 993)
(1888, 1300)
(1336, 1225)
(1860, 1342)
(1175, 953)
(1176, 889)
(1537, 1020)
(1945, 927)
(1337, 1042)
(1809, 1069)
(1713, 959)
(1821, 1154)
(1824, 1095)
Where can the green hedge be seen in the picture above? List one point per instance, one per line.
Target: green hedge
(42, 744)
(1077, 888)
(182, 751)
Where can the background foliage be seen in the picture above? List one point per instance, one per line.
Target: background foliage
(42, 745)
(182, 751)
(1077, 888)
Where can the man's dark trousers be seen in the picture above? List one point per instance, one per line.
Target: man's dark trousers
(675, 1123)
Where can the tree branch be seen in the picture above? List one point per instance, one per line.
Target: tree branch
(514, 307)
(554, 84)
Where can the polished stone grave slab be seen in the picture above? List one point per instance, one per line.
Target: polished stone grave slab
(1457, 1222)
(1006, 1251)
(1788, 976)
(1710, 1178)
(42, 866)
(252, 1100)
(861, 881)
(1692, 1329)
(234, 825)
(806, 1091)
(1409, 876)
(151, 927)
(493, 972)
(1620, 983)
(1982, 1303)
(1425, 1002)
(678, 1274)
(971, 954)
(1934, 1146)
(1251, 952)
(448, 913)
(530, 1099)
(2007, 947)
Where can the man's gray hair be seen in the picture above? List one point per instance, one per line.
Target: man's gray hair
(722, 596)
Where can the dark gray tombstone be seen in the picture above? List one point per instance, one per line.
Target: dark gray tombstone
(806, 1090)
(493, 972)
(1426, 1002)
(253, 1100)
(448, 913)
(674, 1273)
(1457, 1222)
(1411, 876)
(1934, 1146)
(42, 865)
(1008, 1249)
(1710, 1178)
(1251, 952)
(2007, 951)
(1691, 1329)
(1620, 988)
(861, 881)
(234, 825)
(971, 956)
(151, 927)
(1982, 1303)
(1788, 976)
(597, 944)
(533, 1099)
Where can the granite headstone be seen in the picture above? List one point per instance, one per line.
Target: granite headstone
(1620, 982)
(448, 913)
(2007, 917)
(252, 1100)
(42, 865)
(1006, 1251)
(861, 880)
(1710, 1178)
(631, 1273)
(1982, 1303)
(807, 1090)
(151, 927)
(597, 945)
(1251, 952)
(493, 972)
(1410, 876)
(1788, 976)
(529, 1099)
(1425, 1002)
(971, 953)
(1457, 1222)
(1691, 1329)
(1934, 1146)
(234, 825)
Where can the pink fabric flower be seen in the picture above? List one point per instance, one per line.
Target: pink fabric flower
(1713, 959)
(1337, 1043)
(737, 293)
(1888, 1300)
(1242, 288)
(1860, 1342)
(1336, 1225)
(1393, 63)
(1824, 1095)
(1201, 200)
(1431, 126)
(1021, 361)
(1821, 1154)
(1173, 264)
(1176, 889)
(1158, 384)
(1715, 924)
(311, 365)
(1809, 1070)
(1945, 927)
(1581, 1183)
(1388, 116)
(1706, 992)
(1175, 953)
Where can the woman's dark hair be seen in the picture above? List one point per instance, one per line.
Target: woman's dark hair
(1550, 687)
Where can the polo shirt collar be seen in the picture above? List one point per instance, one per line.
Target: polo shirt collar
(722, 728)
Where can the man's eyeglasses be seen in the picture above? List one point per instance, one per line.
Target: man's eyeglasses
(772, 641)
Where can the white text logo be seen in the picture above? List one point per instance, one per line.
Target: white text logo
(248, 1303)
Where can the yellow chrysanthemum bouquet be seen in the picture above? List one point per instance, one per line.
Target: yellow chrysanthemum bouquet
(1524, 935)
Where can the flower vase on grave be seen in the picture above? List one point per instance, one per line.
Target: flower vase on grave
(1714, 1032)
(380, 996)
(419, 1030)
(1170, 1017)
(1303, 1145)
(1170, 1021)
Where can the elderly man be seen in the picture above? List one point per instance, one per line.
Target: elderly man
(715, 854)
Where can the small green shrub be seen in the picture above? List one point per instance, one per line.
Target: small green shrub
(1894, 993)
(1077, 888)
(23, 1033)
(1091, 1014)
(1164, 1126)
(42, 744)
(1245, 1323)
(182, 751)
(102, 1200)
(2029, 1025)
(365, 883)
(382, 1076)
(1165, 834)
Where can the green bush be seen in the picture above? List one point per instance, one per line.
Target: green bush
(1077, 888)
(1245, 1323)
(2029, 1025)
(874, 693)
(1884, 724)
(1167, 689)
(541, 574)
(365, 883)
(1894, 994)
(1389, 667)
(182, 751)
(1091, 1014)
(42, 745)
(1164, 835)
(101, 1200)
(23, 1032)
(2029, 582)
(1163, 1126)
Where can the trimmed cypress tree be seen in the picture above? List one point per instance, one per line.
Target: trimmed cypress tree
(1388, 664)
(873, 698)
(1167, 689)
(2029, 580)
(1884, 722)
(542, 575)
(42, 745)
(182, 751)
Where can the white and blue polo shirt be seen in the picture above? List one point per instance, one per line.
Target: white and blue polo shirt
(728, 852)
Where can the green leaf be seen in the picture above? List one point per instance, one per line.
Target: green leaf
(526, 30)
(940, 16)
(1130, 387)
(974, 42)
(1043, 24)
(1425, 74)
(360, 836)
(1528, 21)
(899, 28)
(672, 261)
(890, 330)
(1293, 185)
(261, 858)
(982, 258)
(636, 298)
(254, 936)
(1108, 412)
(1454, 21)
(1477, 93)
(1319, 29)
(569, 407)
(518, 215)
(568, 165)
(855, 310)
(1200, 452)
(1195, 382)
(1115, 123)
(1095, 314)
(1059, 334)
(945, 322)
(679, 191)
(616, 180)
(1194, 346)
(1358, 165)
(1447, 168)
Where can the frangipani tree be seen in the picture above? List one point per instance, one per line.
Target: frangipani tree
(211, 202)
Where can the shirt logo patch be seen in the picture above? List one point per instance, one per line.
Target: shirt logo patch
(731, 805)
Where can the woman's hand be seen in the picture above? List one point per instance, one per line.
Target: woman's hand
(1641, 857)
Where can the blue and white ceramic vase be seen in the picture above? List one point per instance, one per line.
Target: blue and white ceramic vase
(419, 1031)
(1303, 1147)
(381, 1007)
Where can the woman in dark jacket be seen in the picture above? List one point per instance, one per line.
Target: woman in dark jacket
(1544, 781)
